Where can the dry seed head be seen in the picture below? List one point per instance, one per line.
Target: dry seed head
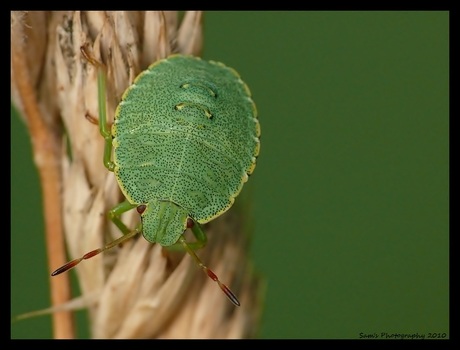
(138, 290)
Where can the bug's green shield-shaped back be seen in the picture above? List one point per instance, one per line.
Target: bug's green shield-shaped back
(186, 132)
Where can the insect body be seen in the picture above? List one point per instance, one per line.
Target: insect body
(185, 138)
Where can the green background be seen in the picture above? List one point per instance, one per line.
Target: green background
(351, 191)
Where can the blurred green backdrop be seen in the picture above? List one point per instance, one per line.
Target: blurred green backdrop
(352, 186)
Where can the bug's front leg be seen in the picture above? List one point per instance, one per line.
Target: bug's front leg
(201, 238)
(115, 213)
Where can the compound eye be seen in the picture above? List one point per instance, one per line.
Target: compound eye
(190, 223)
(141, 208)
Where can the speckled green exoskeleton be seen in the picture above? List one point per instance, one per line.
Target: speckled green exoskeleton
(185, 139)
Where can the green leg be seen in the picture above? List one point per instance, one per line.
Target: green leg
(201, 239)
(116, 212)
(101, 94)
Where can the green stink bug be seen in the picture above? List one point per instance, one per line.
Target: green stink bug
(185, 138)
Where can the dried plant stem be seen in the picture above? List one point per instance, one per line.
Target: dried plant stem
(47, 155)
